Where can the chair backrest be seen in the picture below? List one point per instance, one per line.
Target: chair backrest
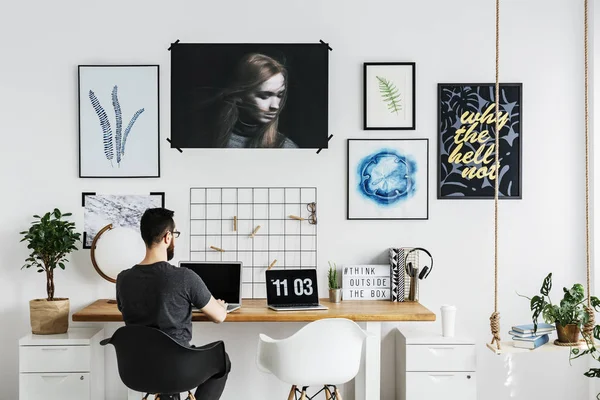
(151, 361)
(327, 351)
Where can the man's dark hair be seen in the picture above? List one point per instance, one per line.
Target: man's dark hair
(155, 223)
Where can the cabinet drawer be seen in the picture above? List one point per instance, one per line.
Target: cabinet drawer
(54, 386)
(441, 385)
(440, 357)
(54, 358)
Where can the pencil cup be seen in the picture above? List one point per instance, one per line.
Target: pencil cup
(448, 320)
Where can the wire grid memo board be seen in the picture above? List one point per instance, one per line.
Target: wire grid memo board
(222, 221)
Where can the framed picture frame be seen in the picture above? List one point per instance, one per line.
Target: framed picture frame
(119, 121)
(389, 91)
(118, 210)
(388, 179)
(466, 141)
(250, 95)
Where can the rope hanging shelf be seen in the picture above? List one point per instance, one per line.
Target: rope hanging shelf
(497, 345)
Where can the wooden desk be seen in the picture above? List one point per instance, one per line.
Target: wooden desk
(370, 314)
(254, 310)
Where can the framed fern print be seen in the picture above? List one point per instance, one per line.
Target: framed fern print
(119, 121)
(389, 96)
(467, 140)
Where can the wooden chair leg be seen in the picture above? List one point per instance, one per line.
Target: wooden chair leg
(338, 396)
(292, 392)
(303, 396)
(191, 396)
(327, 393)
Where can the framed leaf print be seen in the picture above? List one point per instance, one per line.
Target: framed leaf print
(467, 141)
(389, 96)
(118, 121)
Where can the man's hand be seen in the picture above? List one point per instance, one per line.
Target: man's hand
(222, 303)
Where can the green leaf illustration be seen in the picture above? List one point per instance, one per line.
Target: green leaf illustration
(390, 95)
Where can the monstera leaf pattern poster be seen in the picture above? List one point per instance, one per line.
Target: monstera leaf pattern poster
(466, 134)
(388, 179)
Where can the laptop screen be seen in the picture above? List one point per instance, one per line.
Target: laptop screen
(292, 286)
(223, 280)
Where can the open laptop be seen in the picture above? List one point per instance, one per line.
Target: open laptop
(223, 280)
(293, 290)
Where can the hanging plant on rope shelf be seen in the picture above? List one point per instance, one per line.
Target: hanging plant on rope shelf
(570, 315)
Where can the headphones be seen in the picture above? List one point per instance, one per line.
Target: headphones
(426, 270)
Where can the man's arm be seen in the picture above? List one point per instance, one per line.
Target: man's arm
(216, 310)
(200, 296)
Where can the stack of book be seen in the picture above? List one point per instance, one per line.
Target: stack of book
(524, 338)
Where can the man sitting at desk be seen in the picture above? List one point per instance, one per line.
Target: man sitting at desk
(157, 294)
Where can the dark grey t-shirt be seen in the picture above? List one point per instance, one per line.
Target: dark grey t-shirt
(161, 296)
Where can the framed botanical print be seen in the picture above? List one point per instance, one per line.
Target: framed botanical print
(467, 141)
(389, 96)
(119, 121)
(388, 179)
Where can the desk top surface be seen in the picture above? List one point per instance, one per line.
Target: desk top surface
(255, 310)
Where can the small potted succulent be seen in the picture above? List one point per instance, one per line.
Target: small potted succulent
(569, 315)
(50, 239)
(335, 291)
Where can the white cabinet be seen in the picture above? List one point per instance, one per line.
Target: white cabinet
(69, 366)
(431, 366)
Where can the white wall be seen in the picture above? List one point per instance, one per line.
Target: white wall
(451, 41)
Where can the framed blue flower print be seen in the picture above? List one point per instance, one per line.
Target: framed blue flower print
(388, 179)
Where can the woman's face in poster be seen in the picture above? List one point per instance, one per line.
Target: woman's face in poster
(262, 106)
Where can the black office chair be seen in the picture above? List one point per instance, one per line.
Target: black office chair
(151, 362)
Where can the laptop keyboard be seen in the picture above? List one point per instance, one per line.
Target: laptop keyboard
(229, 308)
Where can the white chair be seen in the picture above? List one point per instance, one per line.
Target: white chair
(324, 353)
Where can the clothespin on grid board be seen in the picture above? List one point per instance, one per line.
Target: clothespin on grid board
(312, 218)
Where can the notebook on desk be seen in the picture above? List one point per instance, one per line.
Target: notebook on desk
(223, 280)
(293, 290)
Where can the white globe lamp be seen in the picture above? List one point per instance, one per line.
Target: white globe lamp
(116, 249)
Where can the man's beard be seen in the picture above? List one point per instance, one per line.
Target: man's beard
(171, 251)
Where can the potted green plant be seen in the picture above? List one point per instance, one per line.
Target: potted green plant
(335, 291)
(594, 352)
(50, 239)
(569, 315)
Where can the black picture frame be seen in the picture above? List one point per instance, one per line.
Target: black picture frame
(426, 175)
(366, 125)
(79, 105)
(86, 194)
(519, 154)
(201, 92)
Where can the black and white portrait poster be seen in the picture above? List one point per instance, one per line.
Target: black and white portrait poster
(467, 141)
(249, 95)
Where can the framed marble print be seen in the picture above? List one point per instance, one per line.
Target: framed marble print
(388, 179)
(118, 210)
